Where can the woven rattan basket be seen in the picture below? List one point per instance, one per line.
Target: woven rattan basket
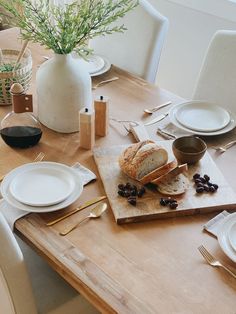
(22, 74)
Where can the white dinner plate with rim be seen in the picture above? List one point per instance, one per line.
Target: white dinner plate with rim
(94, 64)
(202, 116)
(6, 194)
(232, 236)
(106, 67)
(42, 186)
(97, 66)
(230, 126)
(223, 236)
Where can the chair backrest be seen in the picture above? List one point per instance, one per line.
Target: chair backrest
(217, 79)
(16, 296)
(138, 49)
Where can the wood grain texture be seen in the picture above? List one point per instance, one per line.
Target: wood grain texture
(148, 207)
(101, 107)
(147, 267)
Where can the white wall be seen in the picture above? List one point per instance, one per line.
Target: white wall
(189, 34)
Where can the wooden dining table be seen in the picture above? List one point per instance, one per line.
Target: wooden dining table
(146, 267)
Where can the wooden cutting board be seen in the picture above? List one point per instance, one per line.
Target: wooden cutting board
(148, 207)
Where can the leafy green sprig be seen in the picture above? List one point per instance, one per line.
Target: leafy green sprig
(69, 27)
(6, 67)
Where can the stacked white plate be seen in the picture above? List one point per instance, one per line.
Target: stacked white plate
(96, 65)
(41, 187)
(202, 118)
(227, 236)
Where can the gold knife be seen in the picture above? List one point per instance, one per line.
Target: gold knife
(85, 205)
(157, 119)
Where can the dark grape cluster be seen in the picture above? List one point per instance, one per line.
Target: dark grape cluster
(171, 202)
(203, 184)
(131, 192)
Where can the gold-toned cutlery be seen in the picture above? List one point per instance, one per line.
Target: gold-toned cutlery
(105, 82)
(76, 210)
(38, 158)
(157, 119)
(213, 261)
(223, 148)
(166, 134)
(96, 212)
(152, 110)
(123, 122)
(136, 123)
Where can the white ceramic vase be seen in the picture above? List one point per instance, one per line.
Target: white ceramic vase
(63, 88)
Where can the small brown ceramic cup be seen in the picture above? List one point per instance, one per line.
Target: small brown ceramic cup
(189, 149)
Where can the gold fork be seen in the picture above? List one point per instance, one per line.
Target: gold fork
(223, 148)
(38, 158)
(213, 261)
(106, 81)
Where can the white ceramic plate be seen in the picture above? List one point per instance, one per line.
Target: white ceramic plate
(76, 192)
(223, 236)
(230, 126)
(42, 186)
(232, 236)
(97, 65)
(202, 116)
(106, 67)
(94, 64)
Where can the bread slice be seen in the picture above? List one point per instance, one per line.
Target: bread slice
(175, 186)
(142, 158)
(171, 174)
(158, 172)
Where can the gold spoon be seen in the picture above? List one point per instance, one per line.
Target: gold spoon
(150, 111)
(96, 212)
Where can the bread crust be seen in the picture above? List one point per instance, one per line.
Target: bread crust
(133, 156)
(155, 174)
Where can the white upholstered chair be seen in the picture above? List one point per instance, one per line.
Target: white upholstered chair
(138, 49)
(217, 79)
(50, 293)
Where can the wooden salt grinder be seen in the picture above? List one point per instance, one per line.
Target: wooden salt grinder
(101, 107)
(87, 128)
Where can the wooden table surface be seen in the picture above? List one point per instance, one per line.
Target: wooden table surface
(150, 267)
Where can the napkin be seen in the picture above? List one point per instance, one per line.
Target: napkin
(12, 213)
(172, 129)
(214, 224)
(85, 174)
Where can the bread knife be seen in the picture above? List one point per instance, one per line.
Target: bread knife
(157, 119)
(85, 205)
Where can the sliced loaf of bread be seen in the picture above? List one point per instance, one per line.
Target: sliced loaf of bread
(168, 176)
(140, 159)
(175, 186)
(158, 172)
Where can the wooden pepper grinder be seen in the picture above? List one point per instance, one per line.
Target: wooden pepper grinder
(87, 128)
(101, 107)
